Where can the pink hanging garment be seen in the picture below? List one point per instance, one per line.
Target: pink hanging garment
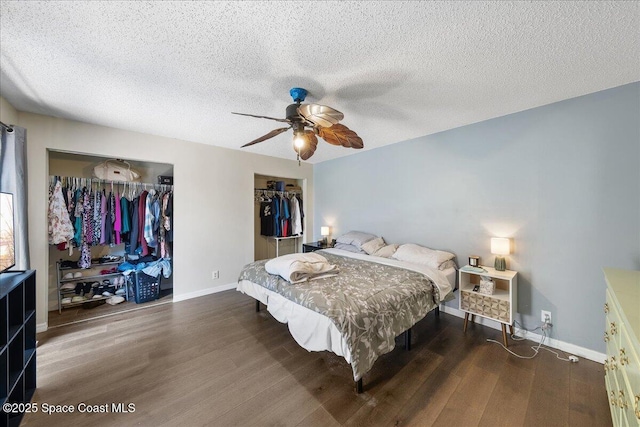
(117, 224)
(104, 219)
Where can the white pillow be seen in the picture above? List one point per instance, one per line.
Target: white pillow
(373, 245)
(387, 251)
(355, 238)
(417, 254)
(349, 248)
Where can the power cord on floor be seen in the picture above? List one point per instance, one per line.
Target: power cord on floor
(536, 348)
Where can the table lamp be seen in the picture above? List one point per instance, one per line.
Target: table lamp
(500, 247)
(324, 232)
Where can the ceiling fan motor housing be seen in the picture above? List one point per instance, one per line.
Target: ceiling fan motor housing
(298, 94)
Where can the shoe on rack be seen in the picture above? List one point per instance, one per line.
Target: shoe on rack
(77, 274)
(106, 294)
(67, 286)
(79, 287)
(87, 288)
(68, 275)
(65, 301)
(121, 291)
(115, 300)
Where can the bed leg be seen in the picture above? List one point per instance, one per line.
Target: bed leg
(437, 311)
(359, 386)
(407, 339)
(257, 306)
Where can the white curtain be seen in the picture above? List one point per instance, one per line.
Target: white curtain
(13, 179)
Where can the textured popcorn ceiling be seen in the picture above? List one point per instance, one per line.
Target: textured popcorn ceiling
(397, 70)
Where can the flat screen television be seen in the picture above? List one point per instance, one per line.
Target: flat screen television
(7, 238)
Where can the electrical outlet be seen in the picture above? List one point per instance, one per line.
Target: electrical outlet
(545, 316)
(215, 274)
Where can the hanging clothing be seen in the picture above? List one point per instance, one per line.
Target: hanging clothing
(125, 216)
(285, 216)
(275, 208)
(133, 236)
(60, 227)
(117, 223)
(266, 219)
(97, 217)
(142, 206)
(149, 219)
(103, 218)
(296, 221)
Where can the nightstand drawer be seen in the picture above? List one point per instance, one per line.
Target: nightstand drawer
(485, 305)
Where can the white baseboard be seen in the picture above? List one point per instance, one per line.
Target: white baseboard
(203, 292)
(550, 342)
(42, 327)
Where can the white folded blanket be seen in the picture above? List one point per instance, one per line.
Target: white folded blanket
(296, 268)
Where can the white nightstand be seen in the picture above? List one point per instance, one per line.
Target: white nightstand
(501, 306)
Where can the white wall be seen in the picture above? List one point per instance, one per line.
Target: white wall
(213, 197)
(8, 114)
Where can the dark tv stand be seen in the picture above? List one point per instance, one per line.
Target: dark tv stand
(17, 341)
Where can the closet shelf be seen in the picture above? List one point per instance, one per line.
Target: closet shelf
(84, 278)
(92, 265)
(77, 303)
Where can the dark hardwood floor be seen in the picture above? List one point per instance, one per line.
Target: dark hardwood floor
(214, 361)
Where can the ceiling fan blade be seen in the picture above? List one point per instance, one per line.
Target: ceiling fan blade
(309, 146)
(271, 134)
(320, 115)
(340, 135)
(262, 117)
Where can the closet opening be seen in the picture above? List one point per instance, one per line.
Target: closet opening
(279, 216)
(115, 252)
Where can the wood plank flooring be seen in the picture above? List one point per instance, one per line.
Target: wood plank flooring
(214, 361)
(80, 314)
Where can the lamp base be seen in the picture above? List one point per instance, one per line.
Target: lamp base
(500, 264)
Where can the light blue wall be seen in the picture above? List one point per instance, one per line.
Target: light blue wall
(562, 180)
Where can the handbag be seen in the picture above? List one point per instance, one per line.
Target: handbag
(115, 170)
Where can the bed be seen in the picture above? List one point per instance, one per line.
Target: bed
(358, 313)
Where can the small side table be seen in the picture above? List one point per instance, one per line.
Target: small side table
(314, 246)
(500, 306)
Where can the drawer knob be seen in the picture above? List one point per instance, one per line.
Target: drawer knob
(606, 336)
(622, 402)
(637, 406)
(612, 328)
(606, 307)
(612, 363)
(612, 398)
(624, 360)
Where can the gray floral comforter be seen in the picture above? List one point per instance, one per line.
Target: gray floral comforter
(369, 303)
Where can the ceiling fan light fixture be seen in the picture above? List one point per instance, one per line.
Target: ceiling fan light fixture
(298, 141)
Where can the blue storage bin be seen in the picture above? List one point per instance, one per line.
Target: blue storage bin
(146, 288)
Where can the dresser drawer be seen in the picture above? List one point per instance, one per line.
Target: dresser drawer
(485, 305)
(630, 372)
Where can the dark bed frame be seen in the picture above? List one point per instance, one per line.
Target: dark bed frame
(407, 343)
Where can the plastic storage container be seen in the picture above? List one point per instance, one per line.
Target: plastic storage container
(146, 288)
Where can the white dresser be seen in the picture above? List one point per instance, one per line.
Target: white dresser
(622, 365)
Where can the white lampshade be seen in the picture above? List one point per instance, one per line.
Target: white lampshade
(324, 231)
(500, 246)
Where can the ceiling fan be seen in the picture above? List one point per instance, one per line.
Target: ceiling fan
(320, 119)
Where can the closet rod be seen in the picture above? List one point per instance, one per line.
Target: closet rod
(7, 127)
(107, 181)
